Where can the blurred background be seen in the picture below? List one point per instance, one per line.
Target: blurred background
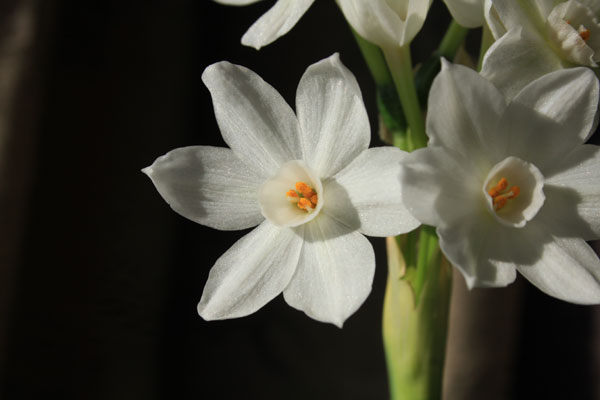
(99, 279)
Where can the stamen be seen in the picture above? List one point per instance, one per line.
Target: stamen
(499, 194)
(305, 204)
(292, 196)
(304, 196)
(584, 33)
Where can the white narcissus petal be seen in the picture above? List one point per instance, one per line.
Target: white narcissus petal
(334, 123)
(467, 111)
(251, 273)
(208, 185)
(468, 13)
(493, 20)
(523, 14)
(469, 245)
(577, 183)
(366, 195)
(255, 121)
(440, 187)
(275, 23)
(516, 59)
(568, 97)
(567, 268)
(387, 23)
(335, 272)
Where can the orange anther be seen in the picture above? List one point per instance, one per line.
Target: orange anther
(291, 193)
(585, 34)
(305, 204)
(500, 186)
(514, 192)
(499, 202)
(304, 189)
(314, 199)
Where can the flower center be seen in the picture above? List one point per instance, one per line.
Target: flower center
(284, 206)
(513, 192)
(304, 196)
(500, 195)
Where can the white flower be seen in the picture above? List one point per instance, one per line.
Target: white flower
(536, 37)
(309, 183)
(512, 186)
(275, 23)
(383, 22)
(468, 13)
(387, 23)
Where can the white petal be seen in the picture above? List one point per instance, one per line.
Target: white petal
(334, 274)
(366, 195)
(275, 23)
(471, 245)
(251, 273)
(533, 137)
(468, 13)
(493, 20)
(519, 13)
(255, 121)
(208, 185)
(334, 123)
(569, 97)
(516, 59)
(567, 269)
(575, 199)
(441, 188)
(237, 2)
(467, 110)
(387, 23)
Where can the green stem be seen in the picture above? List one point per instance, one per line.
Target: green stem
(390, 110)
(452, 40)
(414, 333)
(487, 39)
(400, 64)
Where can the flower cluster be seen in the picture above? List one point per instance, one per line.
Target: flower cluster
(506, 177)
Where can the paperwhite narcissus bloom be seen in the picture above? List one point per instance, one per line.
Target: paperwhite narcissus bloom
(387, 23)
(309, 183)
(275, 23)
(512, 186)
(536, 37)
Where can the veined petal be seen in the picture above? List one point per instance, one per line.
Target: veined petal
(366, 195)
(493, 20)
(467, 110)
(387, 23)
(251, 273)
(255, 121)
(534, 137)
(469, 246)
(208, 185)
(523, 14)
(442, 188)
(577, 199)
(334, 123)
(335, 272)
(567, 268)
(516, 59)
(468, 13)
(275, 23)
(568, 97)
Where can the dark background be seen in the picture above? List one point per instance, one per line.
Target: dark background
(100, 279)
